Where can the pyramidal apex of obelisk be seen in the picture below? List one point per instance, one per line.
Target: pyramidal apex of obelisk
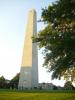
(29, 67)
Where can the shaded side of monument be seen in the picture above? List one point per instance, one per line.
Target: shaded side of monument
(29, 67)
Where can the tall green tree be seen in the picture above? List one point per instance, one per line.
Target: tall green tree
(58, 37)
(68, 85)
(2, 82)
(14, 81)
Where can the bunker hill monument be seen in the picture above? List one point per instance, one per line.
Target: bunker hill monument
(29, 67)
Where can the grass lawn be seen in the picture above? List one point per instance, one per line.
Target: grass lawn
(36, 95)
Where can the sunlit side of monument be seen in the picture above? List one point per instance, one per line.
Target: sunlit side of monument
(29, 67)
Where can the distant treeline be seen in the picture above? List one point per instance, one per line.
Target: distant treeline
(13, 84)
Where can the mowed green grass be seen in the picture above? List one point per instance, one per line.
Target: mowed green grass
(36, 95)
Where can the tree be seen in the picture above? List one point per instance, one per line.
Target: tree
(58, 37)
(68, 85)
(2, 82)
(14, 82)
(70, 75)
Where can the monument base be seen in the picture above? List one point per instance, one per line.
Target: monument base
(25, 78)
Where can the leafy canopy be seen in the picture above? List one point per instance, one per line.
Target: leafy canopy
(58, 37)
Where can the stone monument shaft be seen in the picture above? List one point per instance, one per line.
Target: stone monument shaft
(29, 67)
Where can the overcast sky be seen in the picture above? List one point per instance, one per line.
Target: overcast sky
(13, 19)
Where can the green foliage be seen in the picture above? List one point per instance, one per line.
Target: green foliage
(14, 82)
(58, 37)
(70, 74)
(61, 9)
(68, 85)
(2, 82)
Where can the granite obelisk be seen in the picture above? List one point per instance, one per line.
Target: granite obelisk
(29, 67)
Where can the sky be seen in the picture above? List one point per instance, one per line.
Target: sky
(13, 19)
